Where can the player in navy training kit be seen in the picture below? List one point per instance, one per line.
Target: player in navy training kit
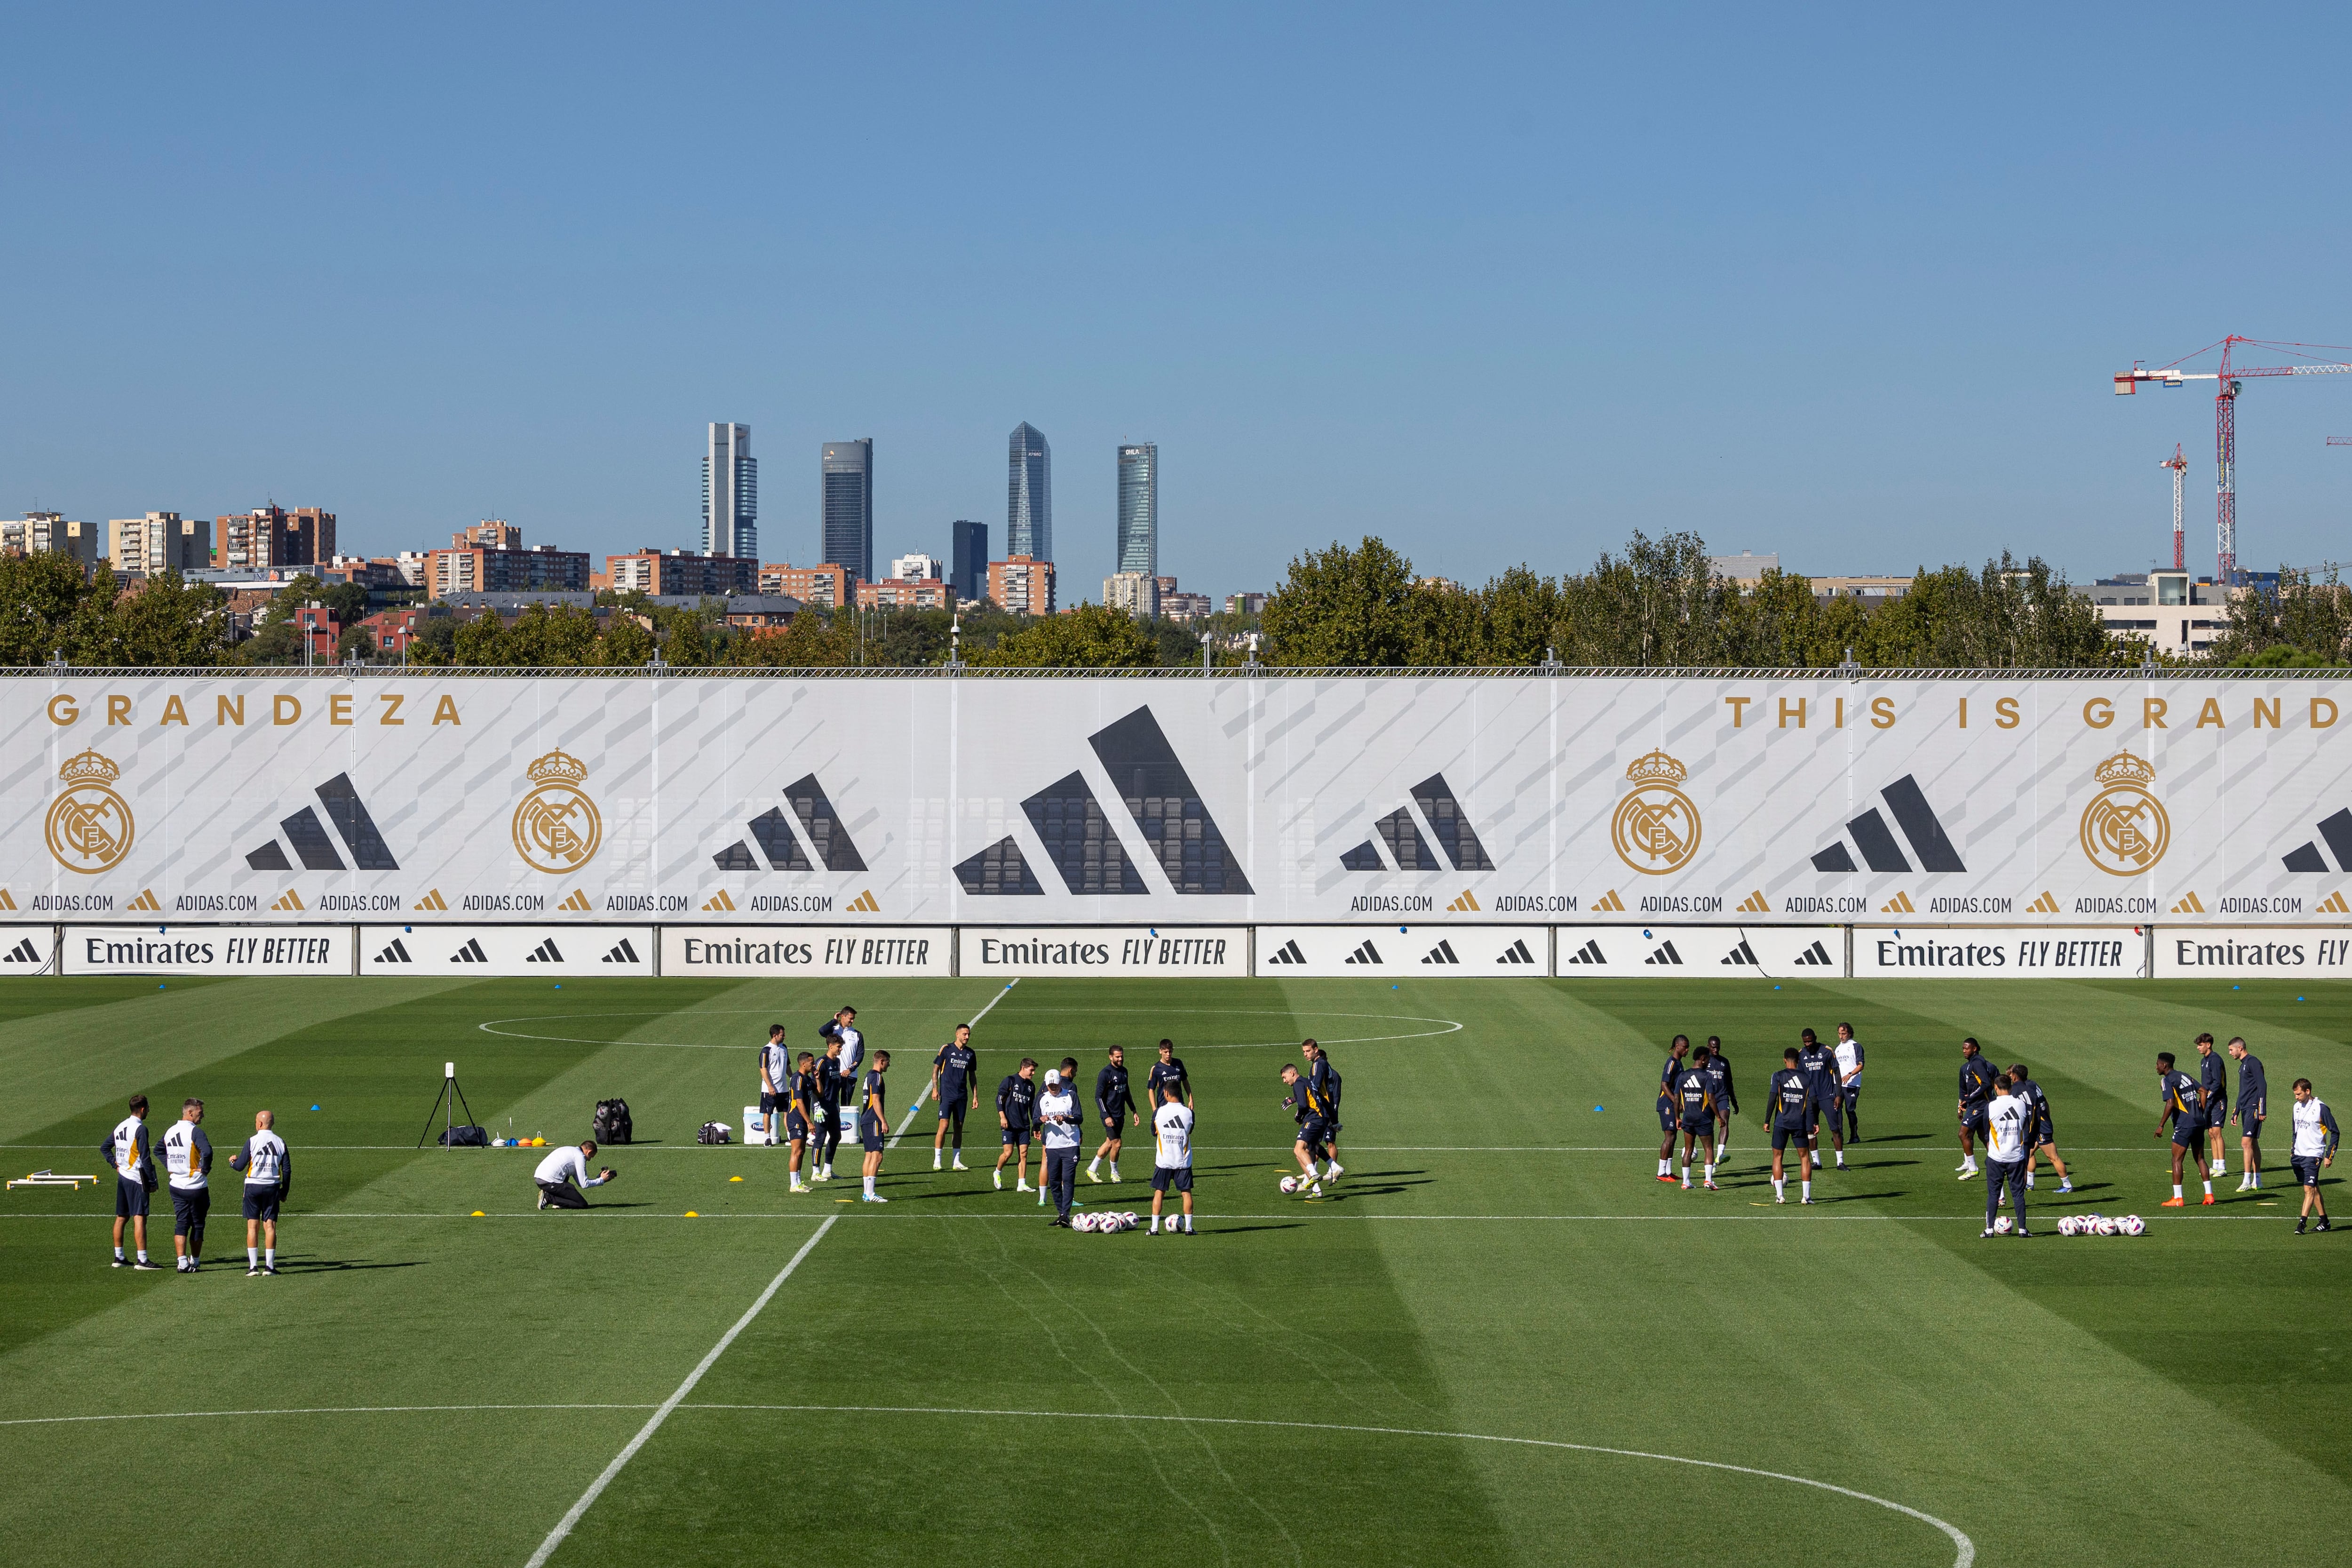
(1112, 1101)
(2253, 1097)
(1727, 1099)
(1695, 1101)
(1324, 1079)
(800, 1097)
(2213, 1073)
(1167, 1080)
(1016, 1117)
(1976, 1096)
(1669, 1118)
(826, 1111)
(2040, 1135)
(2184, 1108)
(955, 1078)
(1306, 1108)
(1793, 1110)
(1820, 1063)
(873, 1122)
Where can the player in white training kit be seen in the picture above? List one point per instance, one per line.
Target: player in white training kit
(126, 1149)
(269, 1178)
(187, 1168)
(1172, 1163)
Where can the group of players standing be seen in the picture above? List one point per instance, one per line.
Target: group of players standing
(1816, 1084)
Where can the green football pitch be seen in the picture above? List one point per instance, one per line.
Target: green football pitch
(1496, 1339)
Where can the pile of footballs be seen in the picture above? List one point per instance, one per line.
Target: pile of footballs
(1102, 1224)
(2100, 1225)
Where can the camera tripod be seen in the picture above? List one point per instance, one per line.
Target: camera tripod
(452, 1097)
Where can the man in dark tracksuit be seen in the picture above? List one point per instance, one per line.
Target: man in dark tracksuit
(2213, 1073)
(1975, 1095)
(1112, 1101)
(2253, 1105)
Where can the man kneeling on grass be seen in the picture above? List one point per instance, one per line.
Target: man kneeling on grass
(559, 1170)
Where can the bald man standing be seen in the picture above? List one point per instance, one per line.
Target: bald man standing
(269, 1178)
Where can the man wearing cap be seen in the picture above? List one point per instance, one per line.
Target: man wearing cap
(1058, 1116)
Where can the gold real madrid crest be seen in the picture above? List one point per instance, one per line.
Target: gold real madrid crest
(556, 827)
(89, 827)
(2125, 829)
(1656, 828)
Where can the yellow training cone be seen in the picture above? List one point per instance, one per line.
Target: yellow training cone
(476, 1214)
(692, 1214)
(734, 1178)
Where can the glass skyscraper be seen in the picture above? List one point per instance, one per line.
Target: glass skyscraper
(730, 494)
(848, 506)
(1139, 509)
(1029, 495)
(968, 558)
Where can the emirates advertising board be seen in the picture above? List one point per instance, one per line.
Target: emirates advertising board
(392, 798)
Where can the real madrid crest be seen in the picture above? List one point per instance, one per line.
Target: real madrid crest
(1656, 828)
(556, 829)
(2124, 830)
(89, 827)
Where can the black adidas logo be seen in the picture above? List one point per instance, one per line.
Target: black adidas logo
(311, 844)
(1517, 954)
(820, 824)
(1879, 850)
(1816, 954)
(2337, 831)
(1589, 953)
(23, 952)
(623, 953)
(1442, 954)
(1741, 954)
(1288, 953)
(1365, 953)
(470, 953)
(1665, 955)
(396, 953)
(545, 953)
(1409, 847)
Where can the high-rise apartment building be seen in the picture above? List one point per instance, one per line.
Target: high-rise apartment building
(159, 541)
(49, 532)
(830, 586)
(489, 558)
(730, 494)
(1021, 585)
(665, 573)
(1137, 593)
(1138, 507)
(848, 506)
(1029, 495)
(915, 567)
(273, 536)
(968, 558)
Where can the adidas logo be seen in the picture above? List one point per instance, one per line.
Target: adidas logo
(820, 826)
(145, 900)
(2189, 906)
(720, 903)
(864, 904)
(1665, 955)
(433, 900)
(1517, 954)
(396, 953)
(311, 844)
(2337, 831)
(1610, 901)
(1743, 953)
(1288, 953)
(1365, 953)
(1466, 904)
(578, 902)
(1757, 904)
(1871, 835)
(1589, 953)
(23, 952)
(1442, 954)
(623, 953)
(470, 953)
(5, 901)
(2334, 904)
(289, 900)
(1900, 904)
(545, 953)
(2045, 905)
(1815, 954)
(1408, 848)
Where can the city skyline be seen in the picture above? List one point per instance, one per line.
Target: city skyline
(1029, 494)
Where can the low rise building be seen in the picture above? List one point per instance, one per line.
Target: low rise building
(1247, 604)
(906, 594)
(2174, 611)
(1136, 593)
(667, 573)
(158, 542)
(915, 567)
(1022, 584)
(51, 533)
(1746, 568)
(489, 558)
(829, 587)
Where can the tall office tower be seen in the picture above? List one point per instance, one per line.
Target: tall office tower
(1139, 509)
(1029, 495)
(848, 506)
(730, 494)
(968, 558)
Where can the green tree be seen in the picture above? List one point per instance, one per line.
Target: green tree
(169, 623)
(357, 642)
(1343, 608)
(2304, 615)
(625, 644)
(1089, 638)
(480, 643)
(39, 595)
(812, 641)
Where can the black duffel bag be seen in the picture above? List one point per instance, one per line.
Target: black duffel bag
(613, 1124)
(465, 1138)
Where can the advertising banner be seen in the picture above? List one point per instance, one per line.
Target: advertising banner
(759, 799)
(1698, 952)
(1994, 953)
(1430, 952)
(2307, 952)
(26, 949)
(754, 953)
(506, 950)
(205, 950)
(1109, 951)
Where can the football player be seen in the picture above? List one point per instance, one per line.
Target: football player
(776, 1081)
(2040, 1135)
(1112, 1101)
(1326, 1081)
(1790, 1106)
(827, 1111)
(1308, 1109)
(1849, 1067)
(1695, 1099)
(1727, 1099)
(2253, 1097)
(800, 1104)
(2315, 1138)
(955, 1074)
(2213, 1072)
(1668, 1118)
(1016, 1116)
(843, 1026)
(1820, 1063)
(873, 1122)
(2184, 1108)
(187, 1169)
(1167, 1080)
(1976, 1094)
(127, 1150)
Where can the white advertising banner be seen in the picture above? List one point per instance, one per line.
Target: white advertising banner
(206, 950)
(1698, 952)
(26, 949)
(754, 798)
(2310, 952)
(506, 950)
(1430, 952)
(1995, 952)
(1110, 951)
(754, 952)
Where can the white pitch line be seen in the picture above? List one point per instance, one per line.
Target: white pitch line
(924, 1093)
(307, 1410)
(1303, 1212)
(661, 1413)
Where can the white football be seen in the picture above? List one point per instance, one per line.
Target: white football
(2066, 1226)
(2132, 1225)
(2001, 1225)
(1289, 1184)
(2106, 1225)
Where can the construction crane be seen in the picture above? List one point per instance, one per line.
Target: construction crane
(2340, 440)
(2230, 378)
(2179, 467)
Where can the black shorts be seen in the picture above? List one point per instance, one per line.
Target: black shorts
(771, 1103)
(1975, 1120)
(261, 1203)
(871, 1133)
(2306, 1169)
(1667, 1118)
(2045, 1135)
(1699, 1125)
(1313, 1132)
(1783, 1136)
(2186, 1131)
(1110, 1126)
(130, 1198)
(2250, 1125)
(953, 1106)
(1167, 1179)
(1017, 1137)
(190, 1207)
(796, 1127)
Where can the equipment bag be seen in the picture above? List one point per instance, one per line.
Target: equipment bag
(613, 1124)
(465, 1138)
(713, 1133)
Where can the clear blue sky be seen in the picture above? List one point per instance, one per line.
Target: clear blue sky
(1498, 284)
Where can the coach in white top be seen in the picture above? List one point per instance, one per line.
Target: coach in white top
(2008, 1121)
(1849, 1061)
(1058, 1116)
(559, 1170)
(1172, 1160)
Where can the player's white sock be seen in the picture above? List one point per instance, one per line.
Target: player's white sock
(117, 1255)
(1114, 1170)
(1188, 1225)
(869, 1186)
(253, 1257)
(2175, 1189)
(1000, 1178)
(935, 1159)
(142, 1254)
(1804, 1189)
(2209, 1189)
(1155, 1225)
(2029, 1181)
(1710, 1171)
(1780, 1187)
(2255, 1181)
(181, 1263)
(1841, 1158)
(1333, 1168)
(1094, 1166)
(1665, 1168)
(269, 1258)
(2065, 1184)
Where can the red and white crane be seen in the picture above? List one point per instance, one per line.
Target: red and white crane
(2308, 362)
(2179, 467)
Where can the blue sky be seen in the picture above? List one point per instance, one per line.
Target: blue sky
(1499, 284)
